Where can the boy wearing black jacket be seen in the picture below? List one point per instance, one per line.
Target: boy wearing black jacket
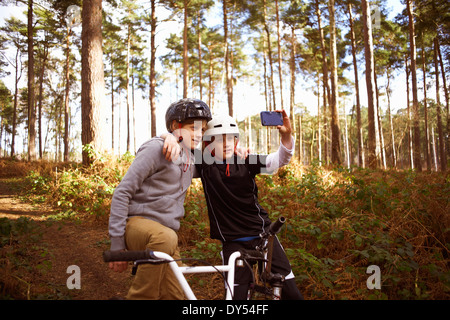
(236, 217)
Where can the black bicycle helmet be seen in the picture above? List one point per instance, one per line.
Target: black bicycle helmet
(185, 109)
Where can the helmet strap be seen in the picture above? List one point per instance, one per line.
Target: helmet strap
(227, 171)
(212, 152)
(180, 138)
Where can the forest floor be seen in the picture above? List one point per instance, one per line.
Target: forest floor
(42, 271)
(54, 216)
(38, 244)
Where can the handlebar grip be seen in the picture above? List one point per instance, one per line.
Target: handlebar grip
(109, 256)
(275, 227)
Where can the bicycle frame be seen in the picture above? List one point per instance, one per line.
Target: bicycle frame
(156, 257)
(180, 271)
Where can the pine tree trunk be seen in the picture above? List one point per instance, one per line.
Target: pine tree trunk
(335, 131)
(227, 60)
(134, 113)
(326, 88)
(379, 126)
(391, 125)
(112, 107)
(444, 83)
(128, 88)
(280, 70)
(425, 107)
(266, 80)
(31, 102)
(41, 96)
(66, 100)
(92, 78)
(442, 155)
(358, 104)
(319, 127)
(412, 41)
(368, 50)
(185, 51)
(269, 55)
(346, 142)
(434, 150)
(408, 107)
(210, 77)
(292, 89)
(152, 69)
(16, 94)
(199, 46)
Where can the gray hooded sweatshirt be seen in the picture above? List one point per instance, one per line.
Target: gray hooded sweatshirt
(152, 188)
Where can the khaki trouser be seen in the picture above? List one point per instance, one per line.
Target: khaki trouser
(153, 282)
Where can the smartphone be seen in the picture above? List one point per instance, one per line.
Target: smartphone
(271, 118)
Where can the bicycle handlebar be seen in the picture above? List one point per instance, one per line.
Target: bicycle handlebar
(109, 256)
(275, 227)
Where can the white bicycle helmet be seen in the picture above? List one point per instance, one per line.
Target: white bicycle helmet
(221, 124)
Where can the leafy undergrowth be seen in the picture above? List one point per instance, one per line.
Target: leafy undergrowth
(19, 241)
(339, 222)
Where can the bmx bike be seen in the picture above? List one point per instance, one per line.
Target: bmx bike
(269, 284)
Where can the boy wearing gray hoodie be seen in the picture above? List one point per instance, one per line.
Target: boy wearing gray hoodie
(147, 205)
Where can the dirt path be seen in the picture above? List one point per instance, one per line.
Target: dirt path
(63, 244)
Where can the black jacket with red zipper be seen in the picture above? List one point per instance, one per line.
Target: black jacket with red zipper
(232, 197)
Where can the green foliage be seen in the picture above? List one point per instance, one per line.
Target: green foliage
(12, 230)
(19, 240)
(341, 221)
(77, 190)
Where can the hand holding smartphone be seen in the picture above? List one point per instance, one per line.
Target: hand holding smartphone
(280, 120)
(271, 118)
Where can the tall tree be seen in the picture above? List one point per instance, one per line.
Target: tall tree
(295, 17)
(131, 22)
(112, 48)
(185, 50)
(412, 41)
(70, 21)
(360, 148)
(152, 86)
(335, 131)
(425, 105)
(14, 33)
(442, 155)
(370, 83)
(325, 77)
(228, 69)
(31, 93)
(92, 81)
(280, 69)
